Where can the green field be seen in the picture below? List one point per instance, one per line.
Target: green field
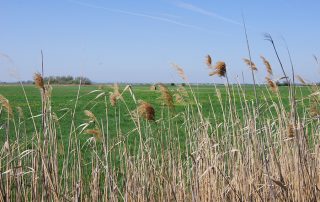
(124, 153)
(63, 101)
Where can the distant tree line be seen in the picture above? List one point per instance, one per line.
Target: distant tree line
(67, 80)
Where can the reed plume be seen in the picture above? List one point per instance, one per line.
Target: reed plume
(115, 95)
(180, 72)
(166, 95)
(90, 115)
(38, 81)
(267, 65)
(290, 130)
(95, 132)
(250, 64)
(5, 104)
(219, 69)
(146, 110)
(209, 61)
(272, 85)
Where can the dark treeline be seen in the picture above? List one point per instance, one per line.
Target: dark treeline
(67, 80)
(58, 80)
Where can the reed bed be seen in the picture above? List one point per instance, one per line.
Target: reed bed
(241, 152)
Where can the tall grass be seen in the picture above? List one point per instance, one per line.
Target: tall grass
(235, 155)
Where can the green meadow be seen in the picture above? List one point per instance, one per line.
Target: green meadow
(65, 97)
(81, 142)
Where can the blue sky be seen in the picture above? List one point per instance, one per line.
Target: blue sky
(137, 41)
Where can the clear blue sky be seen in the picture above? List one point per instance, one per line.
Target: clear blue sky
(136, 41)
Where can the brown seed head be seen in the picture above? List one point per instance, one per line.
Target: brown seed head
(113, 99)
(5, 104)
(38, 80)
(220, 69)
(166, 95)
(146, 111)
(115, 95)
(250, 64)
(209, 61)
(267, 64)
(90, 115)
(291, 130)
(95, 132)
(180, 72)
(273, 86)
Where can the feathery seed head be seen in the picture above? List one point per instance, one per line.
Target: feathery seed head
(38, 80)
(146, 111)
(90, 115)
(209, 61)
(166, 95)
(291, 130)
(95, 132)
(273, 86)
(220, 69)
(5, 104)
(115, 95)
(267, 64)
(250, 64)
(180, 72)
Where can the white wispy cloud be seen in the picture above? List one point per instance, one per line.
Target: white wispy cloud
(152, 17)
(191, 7)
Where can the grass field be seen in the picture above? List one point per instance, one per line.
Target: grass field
(64, 97)
(77, 145)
